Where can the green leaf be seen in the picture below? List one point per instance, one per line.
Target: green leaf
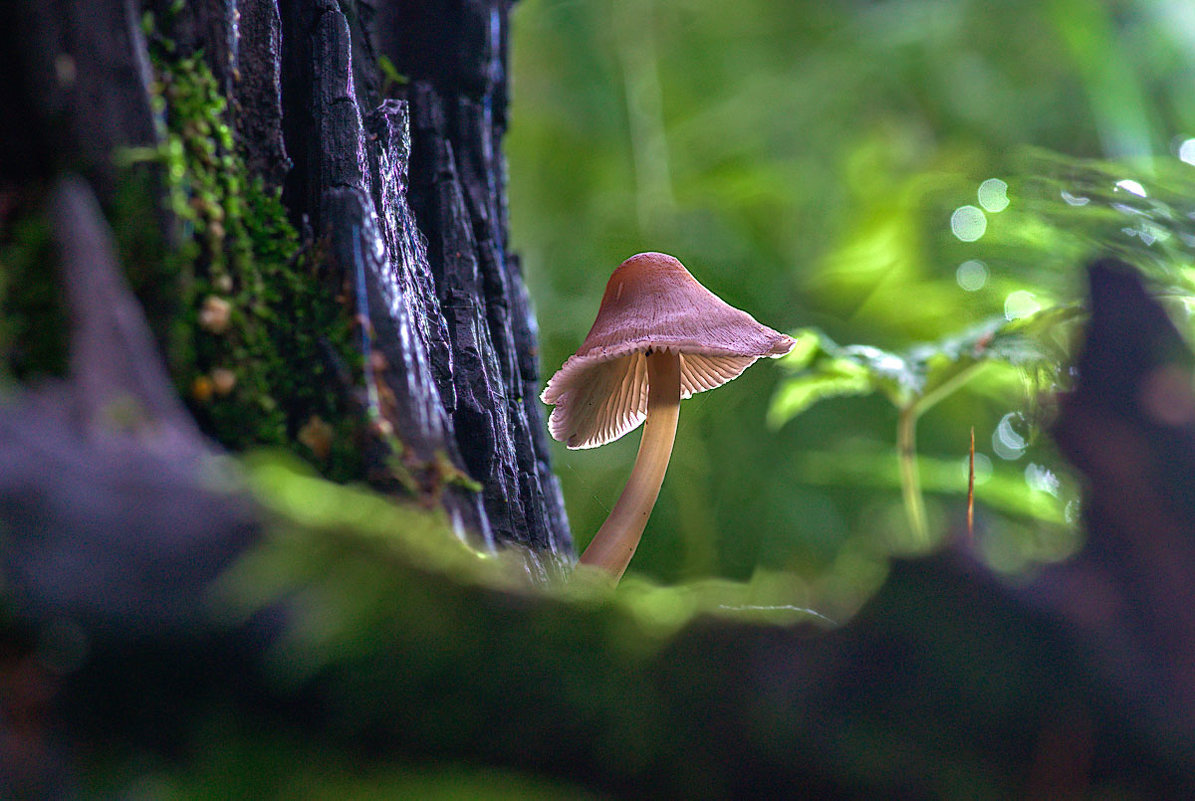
(899, 378)
(1040, 339)
(391, 73)
(1004, 491)
(926, 373)
(836, 378)
(822, 372)
(808, 346)
(826, 370)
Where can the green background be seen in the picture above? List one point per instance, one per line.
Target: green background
(804, 161)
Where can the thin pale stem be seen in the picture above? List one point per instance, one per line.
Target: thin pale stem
(615, 543)
(910, 476)
(906, 445)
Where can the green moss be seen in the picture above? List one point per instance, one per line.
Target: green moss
(33, 323)
(255, 328)
(261, 338)
(265, 349)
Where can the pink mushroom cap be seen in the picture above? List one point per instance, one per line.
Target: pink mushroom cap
(651, 303)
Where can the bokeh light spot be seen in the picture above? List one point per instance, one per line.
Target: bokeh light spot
(1132, 187)
(1042, 479)
(993, 195)
(1186, 151)
(1006, 442)
(968, 223)
(972, 275)
(983, 468)
(1020, 304)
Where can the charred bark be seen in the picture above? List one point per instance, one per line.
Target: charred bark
(427, 171)
(403, 183)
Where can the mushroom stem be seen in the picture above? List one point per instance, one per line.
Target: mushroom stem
(614, 544)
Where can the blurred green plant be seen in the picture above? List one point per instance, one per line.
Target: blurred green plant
(392, 79)
(917, 380)
(33, 323)
(357, 560)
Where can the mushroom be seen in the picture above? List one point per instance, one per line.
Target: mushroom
(659, 337)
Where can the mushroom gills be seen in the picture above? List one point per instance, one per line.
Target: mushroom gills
(609, 399)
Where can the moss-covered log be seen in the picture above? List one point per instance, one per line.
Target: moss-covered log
(306, 198)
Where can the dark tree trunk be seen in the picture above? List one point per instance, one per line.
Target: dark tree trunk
(403, 184)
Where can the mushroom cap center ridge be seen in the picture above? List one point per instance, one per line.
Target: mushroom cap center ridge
(651, 302)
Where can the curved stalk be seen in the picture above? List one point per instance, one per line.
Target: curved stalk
(906, 446)
(614, 544)
(910, 475)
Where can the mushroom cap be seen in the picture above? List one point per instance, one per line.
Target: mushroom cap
(651, 303)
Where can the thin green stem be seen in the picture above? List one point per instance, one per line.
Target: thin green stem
(906, 445)
(947, 388)
(910, 475)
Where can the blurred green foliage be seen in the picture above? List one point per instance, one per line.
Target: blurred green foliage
(917, 381)
(831, 165)
(348, 570)
(351, 562)
(33, 323)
